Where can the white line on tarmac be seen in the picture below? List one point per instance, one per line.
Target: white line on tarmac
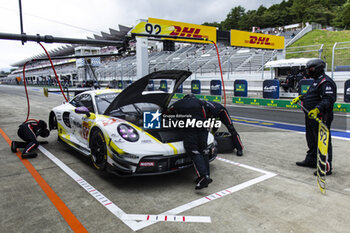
(167, 218)
(217, 195)
(131, 219)
(90, 189)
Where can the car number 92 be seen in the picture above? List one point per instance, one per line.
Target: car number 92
(85, 130)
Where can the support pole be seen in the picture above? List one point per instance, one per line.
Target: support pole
(20, 18)
(141, 57)
(333, 50)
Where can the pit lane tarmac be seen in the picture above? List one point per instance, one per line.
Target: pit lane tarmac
(263, 191)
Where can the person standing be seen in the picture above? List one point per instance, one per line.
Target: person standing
(319, 101)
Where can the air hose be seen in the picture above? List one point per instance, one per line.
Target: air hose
(25, 83)
(54, 70)
(222, 77)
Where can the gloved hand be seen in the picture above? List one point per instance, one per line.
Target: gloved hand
(313, 113)
(296, 100)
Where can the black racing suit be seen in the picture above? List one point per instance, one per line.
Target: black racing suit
(195, 139)
(216, 110)
(28, 132)
(322, 94)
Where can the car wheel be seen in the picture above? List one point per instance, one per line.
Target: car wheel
(98, 150)
(225, 142)
(53, 124)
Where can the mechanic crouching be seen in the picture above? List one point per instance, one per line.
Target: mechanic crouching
(195, 139)
(28, 132)
(216, 110)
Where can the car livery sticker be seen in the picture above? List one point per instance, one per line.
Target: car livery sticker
(85, 129)
(110, 121)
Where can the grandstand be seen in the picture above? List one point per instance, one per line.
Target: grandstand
(198, 58)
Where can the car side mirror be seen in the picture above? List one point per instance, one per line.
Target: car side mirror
(82, 110)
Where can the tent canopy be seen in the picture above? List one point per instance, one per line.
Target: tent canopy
(287, 62)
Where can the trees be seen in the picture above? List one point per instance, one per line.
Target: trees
(326, 12)
(233, 18)
(346, 14)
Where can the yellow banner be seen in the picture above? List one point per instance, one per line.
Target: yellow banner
(256, 40)
(172, 28)
(323, 136)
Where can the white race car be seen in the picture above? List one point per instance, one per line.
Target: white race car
(107, 125)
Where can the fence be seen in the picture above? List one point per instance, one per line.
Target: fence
(340, 57)
(309, 51)
(336, 56)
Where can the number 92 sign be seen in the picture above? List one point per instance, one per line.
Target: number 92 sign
(172, 28)
(152, 29)
(323, 138)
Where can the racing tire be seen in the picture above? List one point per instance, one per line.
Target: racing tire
(54, 125)
(224, 142)
(98, 150)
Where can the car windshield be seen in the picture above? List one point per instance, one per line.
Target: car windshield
(134, 112)
(103, 101)
(137, 108)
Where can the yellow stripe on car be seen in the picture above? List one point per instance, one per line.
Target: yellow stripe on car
(173, 147)
(115, 147)
(155, 139)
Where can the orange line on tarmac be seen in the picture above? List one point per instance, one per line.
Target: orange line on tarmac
(70, 218)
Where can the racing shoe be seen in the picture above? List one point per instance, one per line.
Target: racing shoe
(29, 155)
(13, 146)
(304, 163)
(239, 153)
(203, 182)
(197, 180)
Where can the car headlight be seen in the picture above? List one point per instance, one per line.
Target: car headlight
(128, 133)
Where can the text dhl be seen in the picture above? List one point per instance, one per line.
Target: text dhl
(187, 32)
(259, 40)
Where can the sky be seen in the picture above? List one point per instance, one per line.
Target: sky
(83, 18)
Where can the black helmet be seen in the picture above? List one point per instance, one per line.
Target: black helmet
(315, 67)
(42, 129)
(45, 133)
(191, 95)
(42, 124)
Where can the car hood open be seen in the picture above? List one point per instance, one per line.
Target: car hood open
(135, 92)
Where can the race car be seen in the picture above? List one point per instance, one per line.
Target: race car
(108, 126)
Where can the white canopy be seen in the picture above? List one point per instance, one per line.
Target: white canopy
(287, 62)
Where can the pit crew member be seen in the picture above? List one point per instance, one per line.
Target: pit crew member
(28, 132)
(216, 110)
(319, 100)
(195, 139)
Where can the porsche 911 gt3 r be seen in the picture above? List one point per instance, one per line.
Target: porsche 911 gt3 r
(107, 125)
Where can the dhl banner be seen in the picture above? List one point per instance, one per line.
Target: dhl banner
(256, 40)
(172, 28)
